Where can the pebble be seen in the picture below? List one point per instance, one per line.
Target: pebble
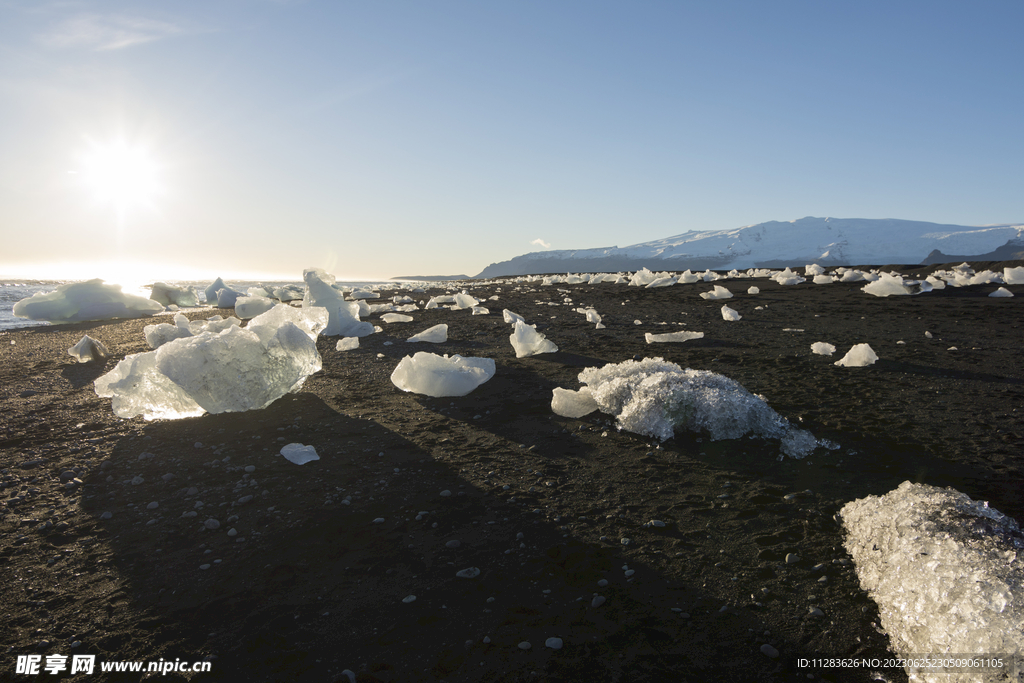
(815, 612)
(630, 572)
(153, 506)
(168, 477)
(232, 532)
(211, 524)
(597, 601)
(67, 475)
(192, 491)
(106, 515)
(453, 544)
(525, 645)
(250, 468)
(769, 651)
(409, 598)
(445, 493)
(468, 573)
(602, 583)
(137, 480)
(379, 520)
(657, 523)
(204, 566)
(244, 499)
(792, 558)
(553, 643)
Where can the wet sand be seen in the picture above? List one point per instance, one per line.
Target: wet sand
(544, 506)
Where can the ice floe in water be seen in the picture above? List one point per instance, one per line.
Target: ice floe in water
(823, 348)
(228, 371)
(91, 300)
(654, 398)
(88, 349)
(945, 571)
(434, 375)
(859, 356)
(672, 337)
(527, 341)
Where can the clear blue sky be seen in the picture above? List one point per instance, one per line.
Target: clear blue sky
(377, 139)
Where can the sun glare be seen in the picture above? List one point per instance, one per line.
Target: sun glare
(121, 174)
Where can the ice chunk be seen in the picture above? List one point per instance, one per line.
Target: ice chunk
(158, 335)
(434, 375)
(480, 310)
(361, 294)
(654, 398)
(945, 572)
(347, 344)
(568, 403)
(1001, 292)
(672, 337)
(247, 307)
(213, 324)
(435, 335)
(753, 290)
(136, 387)
(512, 318)
(88, 349)
(787, 277)
(689, 278)
(299, 453)
(852, 275)
(91, 300)
(288, 293)
(465, 301)
(858, 356)
(211, 291)
(719, 292)
(642, 278)
(226, 298)
(730, 314)
(527, 341)
(312, 321)
(229, 371)
(343, 316)
(823, 348)
(396, 318)
(1013, 276)
(823, 279)
(169, 295)
(661, 282)
(893, 284)
(813, 270)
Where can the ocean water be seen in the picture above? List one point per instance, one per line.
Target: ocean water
(13, 291)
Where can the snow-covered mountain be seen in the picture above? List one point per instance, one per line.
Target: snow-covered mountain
(826, 241)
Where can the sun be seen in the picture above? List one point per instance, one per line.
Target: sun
(121, 174)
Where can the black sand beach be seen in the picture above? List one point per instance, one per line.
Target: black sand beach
(544, 506)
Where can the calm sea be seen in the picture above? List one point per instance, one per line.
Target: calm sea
(13, 291)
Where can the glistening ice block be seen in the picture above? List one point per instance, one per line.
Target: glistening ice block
(946, 572)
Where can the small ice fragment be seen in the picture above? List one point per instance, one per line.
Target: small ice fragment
(396, 318)
(672, 337)
(730, 314)
(859, 356)
(435, 335)
(573, 404)
(347, 344)
(527, 341)
(753, 290)
(299, 453)
(823, 348)
(434, 375)
(88, 349)
(719, 292)
(1002, 292)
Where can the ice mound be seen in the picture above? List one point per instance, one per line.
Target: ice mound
(787, 277)
(688, 278)
(753, 290)
(527, 341)
(654, 398)
(88, 349)
(859, 356)
(91, 300)
(672, 337)
(822, 279)
(343, 315)
(465, 301)
(730, 314)
(661, 282)
(814, 270)
(347, 344)
(568, 403)
(1001, 292)
(160, 334)
(435, 335)
(248, 307)
(228, 371)
(169, 295)
(211, 291)
(396, 318)
(719, 292)
(823, 348)
(299, 454)
(945, 571)
(434, 375)
(1013, 276)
